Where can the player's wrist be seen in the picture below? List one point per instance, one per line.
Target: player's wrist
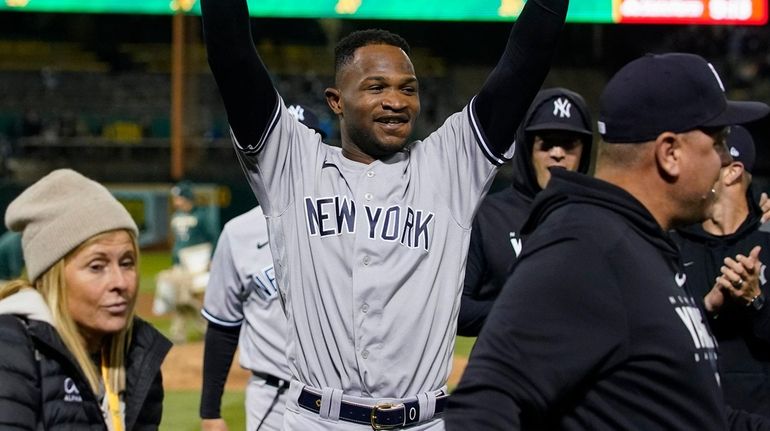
(217, 424)
(713, 300)
(209, 413)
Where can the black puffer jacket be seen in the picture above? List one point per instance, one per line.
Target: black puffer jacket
(51, 393)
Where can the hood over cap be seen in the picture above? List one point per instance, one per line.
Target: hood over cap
(553, 109)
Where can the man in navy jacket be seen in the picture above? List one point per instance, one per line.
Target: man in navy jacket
(596, 327)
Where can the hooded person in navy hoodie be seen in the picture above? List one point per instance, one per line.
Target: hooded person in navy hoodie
(555, 134)
(596, 327)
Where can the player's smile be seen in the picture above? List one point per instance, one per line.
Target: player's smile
(393, 122)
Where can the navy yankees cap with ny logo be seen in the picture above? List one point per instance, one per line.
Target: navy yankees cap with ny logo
(564, 110)
(674, 92)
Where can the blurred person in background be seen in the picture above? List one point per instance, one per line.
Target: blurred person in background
(11, 256)
(180, 288)
(729, 247)
(75, 356)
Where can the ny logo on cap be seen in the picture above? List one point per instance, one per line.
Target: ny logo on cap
(297, 111)
(734, 152)
(561, 107)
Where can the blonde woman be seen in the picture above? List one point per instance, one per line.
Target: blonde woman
(72, 353)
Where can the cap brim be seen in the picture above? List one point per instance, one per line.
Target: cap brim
(559, 126)
(739, 113)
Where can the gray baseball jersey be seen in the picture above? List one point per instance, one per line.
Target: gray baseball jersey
(370, 258)
(242, 291)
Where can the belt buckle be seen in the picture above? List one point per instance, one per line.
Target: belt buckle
(373, 417)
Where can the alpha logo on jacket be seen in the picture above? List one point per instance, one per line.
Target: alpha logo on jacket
(71, 392)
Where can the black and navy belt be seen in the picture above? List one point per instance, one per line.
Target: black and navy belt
(382, 416)
(272, 380)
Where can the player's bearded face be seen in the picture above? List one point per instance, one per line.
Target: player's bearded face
(379, 100)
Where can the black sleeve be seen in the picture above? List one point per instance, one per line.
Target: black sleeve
(474, 310)
(476, 263)
(244, 83)
(473, 314)
(739, 420)
(219, 349)
(510, 88)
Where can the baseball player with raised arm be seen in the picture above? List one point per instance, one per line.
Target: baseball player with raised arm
(243, 309)
(369, 240)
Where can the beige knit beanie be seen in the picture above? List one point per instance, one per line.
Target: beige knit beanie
(58, 213)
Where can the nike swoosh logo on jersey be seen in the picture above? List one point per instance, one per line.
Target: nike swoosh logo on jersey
(686, 264)
(261, 245)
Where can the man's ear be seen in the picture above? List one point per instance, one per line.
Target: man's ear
(734, 173)
(334, 100)
(668, 155)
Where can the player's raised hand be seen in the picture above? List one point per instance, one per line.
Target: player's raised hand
(740, 276)
(213, 425)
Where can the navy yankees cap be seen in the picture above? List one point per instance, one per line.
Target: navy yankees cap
(307, 117)
(741, 146)
(673, 92)
(560, 112)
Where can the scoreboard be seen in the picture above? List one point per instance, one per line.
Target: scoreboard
(733, 12)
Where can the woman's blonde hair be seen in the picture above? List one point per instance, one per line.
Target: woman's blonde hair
(53, 287)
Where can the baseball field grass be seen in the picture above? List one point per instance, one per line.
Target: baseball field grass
(182, 368)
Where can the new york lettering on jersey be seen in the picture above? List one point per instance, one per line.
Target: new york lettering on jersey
(262, 284)
(336, 215)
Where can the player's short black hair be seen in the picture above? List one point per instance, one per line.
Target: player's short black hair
(346, 47)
